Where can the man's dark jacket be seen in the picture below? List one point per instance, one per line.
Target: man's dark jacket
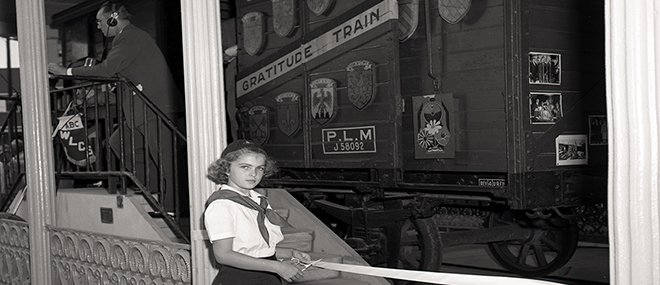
(135, 56)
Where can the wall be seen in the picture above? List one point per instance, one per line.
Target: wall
(80, 209)
(468, 60)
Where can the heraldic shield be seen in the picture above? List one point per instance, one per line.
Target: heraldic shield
(285, 17)
(360, 77)
(318, 7)
(288, 112)
(253, 32)
(453, 11)
(259, 126)
(243, 118)
(408, 18)
(433, 127)
(324, 99)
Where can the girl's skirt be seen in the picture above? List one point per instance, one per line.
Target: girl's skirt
(230, 275)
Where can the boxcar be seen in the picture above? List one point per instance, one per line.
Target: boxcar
(412, 125)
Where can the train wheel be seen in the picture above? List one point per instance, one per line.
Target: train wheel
(547, 249)
(421, 246)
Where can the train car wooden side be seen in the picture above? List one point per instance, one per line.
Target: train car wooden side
(468, 60)
(565, 157)
(512, 128)
(455, 105)
(345, 79)
(485, 115)
(461, 67)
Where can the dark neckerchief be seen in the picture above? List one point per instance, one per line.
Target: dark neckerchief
(264, 211)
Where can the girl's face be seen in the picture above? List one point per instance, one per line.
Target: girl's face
(246, 172)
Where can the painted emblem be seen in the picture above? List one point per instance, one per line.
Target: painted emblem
(433, 126)
(360, 77)
(318, 7)
(453, 11)
(243, 122)
(324, 99)
(285, 17)
(253, 32)
(288, 112)
(408, 18)
(433, 134)
(258, 124)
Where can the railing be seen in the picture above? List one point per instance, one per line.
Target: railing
(87, 258)
(79, 257)
(12, 157)
(99, 141)
(14, 250)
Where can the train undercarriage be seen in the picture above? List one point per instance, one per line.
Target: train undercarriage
(408, 228)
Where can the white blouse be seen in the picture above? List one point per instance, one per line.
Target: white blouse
(227, 219)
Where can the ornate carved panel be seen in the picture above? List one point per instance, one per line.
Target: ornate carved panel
(14, 252)
(86, 258)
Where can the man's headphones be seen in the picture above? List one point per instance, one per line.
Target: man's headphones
(116, 13)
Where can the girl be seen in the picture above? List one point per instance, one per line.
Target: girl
(242, 227)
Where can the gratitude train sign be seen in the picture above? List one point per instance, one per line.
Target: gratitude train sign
(351, 29)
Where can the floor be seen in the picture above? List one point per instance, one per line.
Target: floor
(589, 264)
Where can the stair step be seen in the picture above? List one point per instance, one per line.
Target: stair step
(300, 239)
(166, 230)
(155, 218)
(333, 281)
(315, 273)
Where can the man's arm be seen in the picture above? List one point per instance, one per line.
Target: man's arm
(125, 48)
(58, 69)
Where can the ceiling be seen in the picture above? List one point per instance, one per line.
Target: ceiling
(53, 7)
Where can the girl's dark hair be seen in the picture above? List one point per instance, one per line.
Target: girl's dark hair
(217, 171)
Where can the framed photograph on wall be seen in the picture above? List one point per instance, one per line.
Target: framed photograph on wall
(545, 108)
(544, 68)
(571, 149)
(597, 130)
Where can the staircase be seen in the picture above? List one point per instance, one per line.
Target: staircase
(157, 222)
(93, 209)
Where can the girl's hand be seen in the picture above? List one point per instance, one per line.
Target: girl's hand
(304, 257)
(289, 271)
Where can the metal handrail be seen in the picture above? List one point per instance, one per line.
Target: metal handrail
(14, 161)
(122, 171)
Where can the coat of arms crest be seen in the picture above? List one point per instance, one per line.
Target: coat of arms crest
(288, 112)
(408, 18)
(243, 120)
(318, 7)
(253, 32)
(433, 134)
(324, 99)
(285, 17)
(259, 126)
(360, 77)
(453, 11)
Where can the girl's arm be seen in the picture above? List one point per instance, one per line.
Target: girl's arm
(287, 253)
(222, 250)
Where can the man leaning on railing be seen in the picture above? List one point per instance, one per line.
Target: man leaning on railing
(135, 56)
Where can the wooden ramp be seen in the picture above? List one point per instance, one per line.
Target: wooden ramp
(93, 209)
(311, 235)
